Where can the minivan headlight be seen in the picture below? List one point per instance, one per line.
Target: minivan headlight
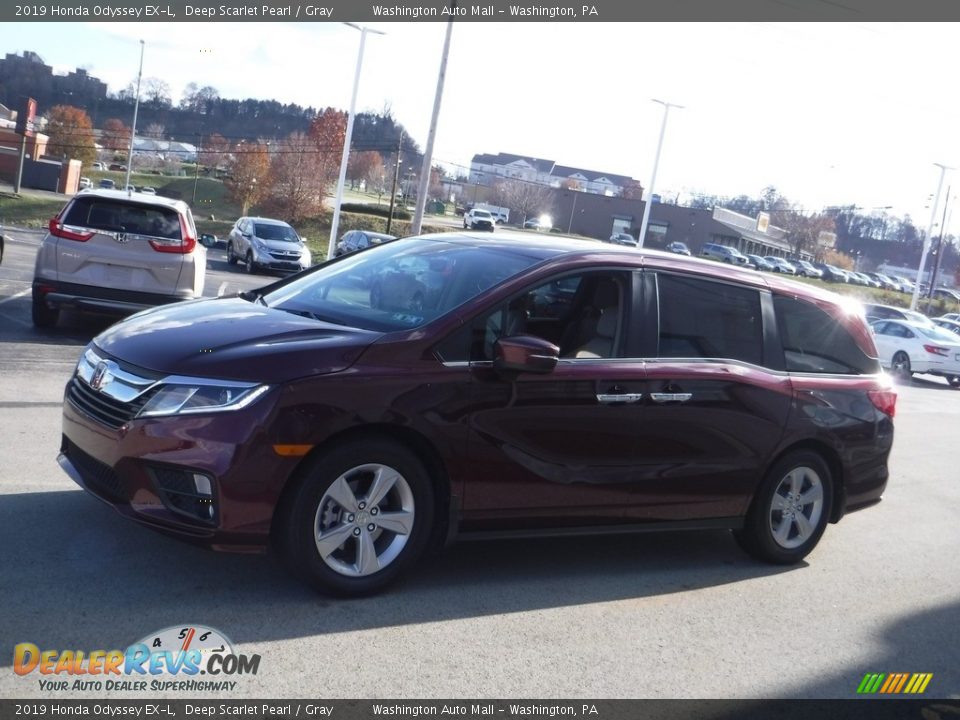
(184, 396)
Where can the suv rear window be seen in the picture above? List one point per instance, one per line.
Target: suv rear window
(122, 216)
(815, 342)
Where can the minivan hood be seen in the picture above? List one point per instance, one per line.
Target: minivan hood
(232, 339)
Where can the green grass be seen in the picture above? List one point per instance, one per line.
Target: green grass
(28, 211)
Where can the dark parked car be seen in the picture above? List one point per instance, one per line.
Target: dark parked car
(678, 248)
(757, 262)
(361, 240)
(541, 385)
(832, 273)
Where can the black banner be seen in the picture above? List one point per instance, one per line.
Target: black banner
(858, 709)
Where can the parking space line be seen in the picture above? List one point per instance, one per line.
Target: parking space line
(15, 297)
(222, 288)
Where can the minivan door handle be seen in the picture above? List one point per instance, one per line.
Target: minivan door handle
(608, 398)
(670, 397)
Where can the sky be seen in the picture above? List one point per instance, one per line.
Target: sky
(828, 113)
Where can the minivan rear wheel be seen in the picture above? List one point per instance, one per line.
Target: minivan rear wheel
(360, 517)
(43, 315)
(790, 511)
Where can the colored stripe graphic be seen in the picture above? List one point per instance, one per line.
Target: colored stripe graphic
(894, 683)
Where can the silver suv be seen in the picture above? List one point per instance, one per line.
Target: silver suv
(724, 253)
(117, 252)
(268, 244)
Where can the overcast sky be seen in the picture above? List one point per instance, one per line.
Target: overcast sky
(827, 113)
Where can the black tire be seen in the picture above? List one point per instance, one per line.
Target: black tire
(900, 366)
(800, 483)
(43, 315)
(231, 257)
(249, 266)
(954, 381)
(347, 473)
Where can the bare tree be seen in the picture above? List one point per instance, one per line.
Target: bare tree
(155, 130)
(525, 198)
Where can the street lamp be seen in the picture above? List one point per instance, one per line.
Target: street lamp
(653, 177)
(347, 137)
(133, 129)
(926, 239)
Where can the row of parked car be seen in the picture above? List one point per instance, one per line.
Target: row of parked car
(805, 268)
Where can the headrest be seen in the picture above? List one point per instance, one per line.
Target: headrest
(607, 325)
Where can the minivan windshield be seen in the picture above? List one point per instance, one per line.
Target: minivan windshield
(400, 285)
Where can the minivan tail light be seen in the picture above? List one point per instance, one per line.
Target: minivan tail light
(884, 400)
(68, 232)
(935, 350)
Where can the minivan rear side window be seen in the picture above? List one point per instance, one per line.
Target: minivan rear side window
(708, 319)
(815, 342)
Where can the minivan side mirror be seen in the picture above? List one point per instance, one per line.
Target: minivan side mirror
(525, 353)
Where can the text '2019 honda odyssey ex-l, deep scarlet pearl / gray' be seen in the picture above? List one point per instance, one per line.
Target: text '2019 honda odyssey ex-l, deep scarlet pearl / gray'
(459, 385)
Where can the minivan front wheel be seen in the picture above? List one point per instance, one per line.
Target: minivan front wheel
(790, 511)
(361, 516)
(248, 264)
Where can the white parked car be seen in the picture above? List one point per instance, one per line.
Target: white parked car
(907, 348)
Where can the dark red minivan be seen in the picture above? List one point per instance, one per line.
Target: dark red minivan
(465, 385)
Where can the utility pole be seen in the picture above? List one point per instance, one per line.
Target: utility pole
(926, 240)
(396, 177)
(133, 129)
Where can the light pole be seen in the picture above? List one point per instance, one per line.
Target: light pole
(926, 239)
(133, 129)
(653, 176)
(428, 153)
(346, 140)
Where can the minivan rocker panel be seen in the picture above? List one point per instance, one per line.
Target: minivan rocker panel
(357, 414)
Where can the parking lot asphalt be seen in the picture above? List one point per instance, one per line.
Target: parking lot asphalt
(645, 616)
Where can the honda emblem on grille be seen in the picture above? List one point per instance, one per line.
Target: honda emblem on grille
(96, 380)
(121, 238)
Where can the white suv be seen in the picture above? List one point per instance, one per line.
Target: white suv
(110, 251)
(478, 219)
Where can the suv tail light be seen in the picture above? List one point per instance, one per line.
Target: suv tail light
(884, 400)
(184, 246)
(935, 350)
(68, 232)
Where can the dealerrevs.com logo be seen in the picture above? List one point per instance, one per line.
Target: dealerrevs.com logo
(187, 658)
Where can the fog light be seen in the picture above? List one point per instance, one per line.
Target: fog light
(202, 484)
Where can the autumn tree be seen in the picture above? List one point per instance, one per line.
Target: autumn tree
(71, 134)
(376, 176)
(214, 150)
(632, 191)
(115, 136)
(327, 132)
(249, 179)
(360, 164)
(298, 188)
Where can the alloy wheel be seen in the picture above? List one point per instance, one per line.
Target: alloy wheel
(364, 520)
(796, 507)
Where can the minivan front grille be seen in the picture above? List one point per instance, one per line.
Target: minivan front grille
(101, 407)
(100, 478)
